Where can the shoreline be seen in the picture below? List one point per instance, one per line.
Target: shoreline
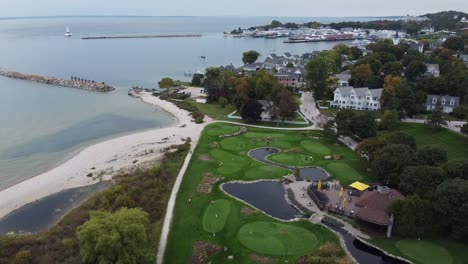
(99, 162)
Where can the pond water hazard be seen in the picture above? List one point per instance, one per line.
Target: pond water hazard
(308, 173)
(267, 196)
(44, 213)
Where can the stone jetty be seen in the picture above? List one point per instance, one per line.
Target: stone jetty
(73, 83)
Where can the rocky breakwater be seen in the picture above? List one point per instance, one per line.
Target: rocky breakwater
(73, 83)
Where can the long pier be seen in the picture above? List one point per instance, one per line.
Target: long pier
(143, 36)
(73, 83)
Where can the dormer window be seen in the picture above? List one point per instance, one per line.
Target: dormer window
(368, 98)
(434, 100)
(452, 102)
(443, 101)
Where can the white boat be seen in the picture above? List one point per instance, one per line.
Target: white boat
(68, 33)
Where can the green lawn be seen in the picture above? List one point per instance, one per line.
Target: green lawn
(425, 251)
(454, 143)
(215, 215)
(228, 157)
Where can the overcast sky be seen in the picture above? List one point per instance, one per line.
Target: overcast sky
(302, 8)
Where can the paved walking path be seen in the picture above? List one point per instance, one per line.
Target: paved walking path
(452, 125)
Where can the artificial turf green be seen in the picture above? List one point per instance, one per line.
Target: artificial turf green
(215, 215)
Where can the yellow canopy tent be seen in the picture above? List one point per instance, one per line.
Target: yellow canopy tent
(359, 186)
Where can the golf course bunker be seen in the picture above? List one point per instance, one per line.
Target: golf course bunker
(277, 239)
(267, 196)
(308, 173)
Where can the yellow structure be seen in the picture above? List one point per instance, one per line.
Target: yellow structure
(319, 187)
(341, 192)
(359, 186)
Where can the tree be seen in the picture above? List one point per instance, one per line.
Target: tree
(261, 84)
(413, 217)
(415, 69)
(343, 120)
(363, 125)
(318, 73)
(197, 80)
(401, 138)
(290, 65)
(421, 180)
(456, 169)
(287, 105)
(451, 203)
(361, 75)
(222, 102)
(369, 147)
(392, 68)
(464, 129)
(390, 162)
(432, 155)
(252, 111)
(119, 237)
(389, 91)
(166, 83)
(435, 120)
(250, 57)
(329, 130)
(389, 120)
(454, 43)
(275, 24)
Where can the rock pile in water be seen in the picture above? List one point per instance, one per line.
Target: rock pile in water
(79, 84)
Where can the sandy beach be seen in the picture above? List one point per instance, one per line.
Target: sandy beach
(103, 160)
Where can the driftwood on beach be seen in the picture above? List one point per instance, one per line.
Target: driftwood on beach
(78, 84)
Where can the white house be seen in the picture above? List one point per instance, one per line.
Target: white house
(433, 70)
(357, 98)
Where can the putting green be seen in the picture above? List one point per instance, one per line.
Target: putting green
(265, 172)
(276, 143)
(315, 146)
(343, 172)
(277, 239)
(230, 163)
(215, 215)
(234, 143)
(292, 159)
(424, 251)
(220, 129)
(285, 136)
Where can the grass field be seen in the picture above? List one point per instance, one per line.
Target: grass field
(210, 213)
(425, 251)
(454, 143)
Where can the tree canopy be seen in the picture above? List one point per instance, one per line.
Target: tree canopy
(250, 57)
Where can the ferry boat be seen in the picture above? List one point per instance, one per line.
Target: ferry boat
(68, 33)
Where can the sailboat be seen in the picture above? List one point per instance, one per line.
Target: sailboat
(68, 33)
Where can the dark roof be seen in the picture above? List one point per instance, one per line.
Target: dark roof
(374, 205)
(439, 98)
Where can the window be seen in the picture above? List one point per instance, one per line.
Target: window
(368, 98)
(342, 102)
(443, 101)
(434, 100)
(375, 98)
(452, 102)
(352, 97)
(375, 105)
(359, 103)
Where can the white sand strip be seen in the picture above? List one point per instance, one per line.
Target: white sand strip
(103, 159)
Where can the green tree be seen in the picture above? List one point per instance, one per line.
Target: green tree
(290, 65)
(456, 169)
(390, 162)
(454, 43)
(401, 138)
(363, 125)
(435, 120)
(197, 80)
(389, 120)
(415, 69)
(413, 217)
(287, 105)
(432, 155)
(252, 111)
(119, 237)
(464, 129)
(275, 24)
(343, 120)
(421, 180)
(361, 75)
(166, 83)
(392, 68)
(250, 57)
(451, 204)
(319, 71)
(369, 147)
(329, 130)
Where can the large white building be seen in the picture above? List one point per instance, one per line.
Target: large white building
(357, 98)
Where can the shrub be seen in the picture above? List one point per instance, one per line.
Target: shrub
(68, 243)
(23, 257)
(222, 102)
(198, 117)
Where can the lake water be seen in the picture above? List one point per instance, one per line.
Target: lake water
(41, 126)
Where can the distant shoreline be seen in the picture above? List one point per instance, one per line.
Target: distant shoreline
(143, 36)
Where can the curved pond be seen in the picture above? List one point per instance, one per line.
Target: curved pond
(44, 213)
(363, 253)
(267, 196)
(309, 173)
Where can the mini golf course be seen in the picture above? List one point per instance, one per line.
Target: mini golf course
(216, 218)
